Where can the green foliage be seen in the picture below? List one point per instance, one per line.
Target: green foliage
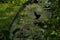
(49, 31)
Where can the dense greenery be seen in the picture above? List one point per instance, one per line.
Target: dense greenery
(38, 30)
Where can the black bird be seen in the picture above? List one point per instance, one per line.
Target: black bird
(35, 1)
(37, 16)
